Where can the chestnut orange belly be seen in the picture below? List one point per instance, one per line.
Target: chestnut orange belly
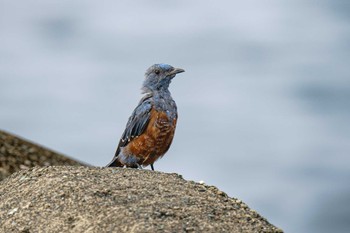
(155, 141)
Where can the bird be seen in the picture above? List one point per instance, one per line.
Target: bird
(150, 129)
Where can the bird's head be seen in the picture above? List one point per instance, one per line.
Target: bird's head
(159, 76)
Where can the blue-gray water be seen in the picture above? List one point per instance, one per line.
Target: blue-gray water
(264, 104)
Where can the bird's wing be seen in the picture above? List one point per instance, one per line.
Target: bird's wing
(137, 122)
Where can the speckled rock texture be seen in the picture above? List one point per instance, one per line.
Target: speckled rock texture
(18, 154)
(85, 199)
(40, 197)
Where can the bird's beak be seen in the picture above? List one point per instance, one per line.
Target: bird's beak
(176, 71)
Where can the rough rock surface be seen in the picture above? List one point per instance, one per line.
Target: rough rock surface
(83, 199)
(17, 154)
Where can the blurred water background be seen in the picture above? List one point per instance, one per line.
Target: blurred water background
(264, 105)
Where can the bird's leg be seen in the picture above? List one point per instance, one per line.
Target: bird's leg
(139, 166)
(152, 167)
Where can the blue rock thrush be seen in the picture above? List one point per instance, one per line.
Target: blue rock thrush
(151, 127)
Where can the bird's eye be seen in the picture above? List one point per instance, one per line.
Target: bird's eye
(157, 71)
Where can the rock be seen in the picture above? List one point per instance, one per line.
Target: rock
(18, 154)
(85, 199)
(40, 197)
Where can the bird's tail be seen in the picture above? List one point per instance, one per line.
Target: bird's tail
(115, 163)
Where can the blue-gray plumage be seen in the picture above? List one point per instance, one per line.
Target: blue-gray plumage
(151, 127)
